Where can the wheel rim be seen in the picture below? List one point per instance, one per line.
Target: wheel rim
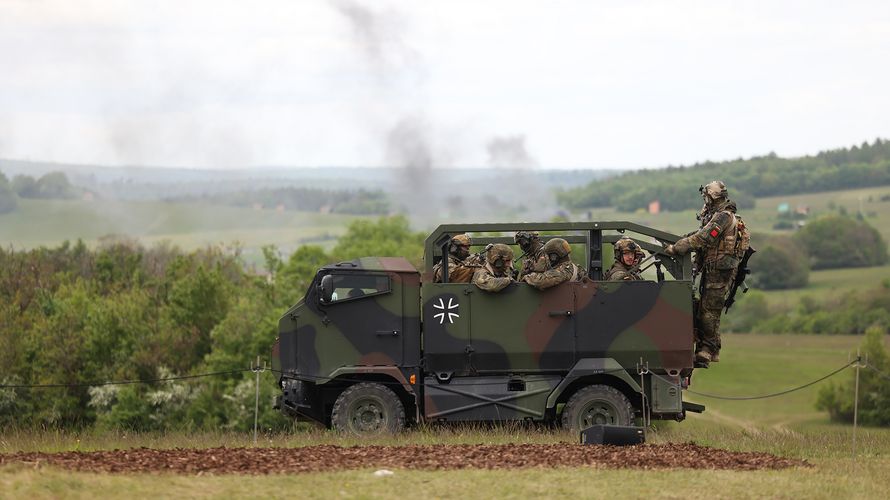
(598, 413)
(367, 416)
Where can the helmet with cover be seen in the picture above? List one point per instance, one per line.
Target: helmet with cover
(460, 246)
(626, 245)
(526, 240)
(499, 256)
(713, 191)
(557, 250)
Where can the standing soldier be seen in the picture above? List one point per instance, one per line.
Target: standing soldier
(561, 267)
(627, 255)
(532, 252)
(497, 272)
(461, 265)
(719, 245)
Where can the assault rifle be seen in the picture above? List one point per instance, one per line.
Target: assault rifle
(741, 273)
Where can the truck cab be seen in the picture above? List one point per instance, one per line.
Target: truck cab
(376, 345)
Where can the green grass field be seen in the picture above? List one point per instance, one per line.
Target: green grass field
(188, 225)
(750, 365)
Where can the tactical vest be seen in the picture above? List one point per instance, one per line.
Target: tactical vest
(723, 255)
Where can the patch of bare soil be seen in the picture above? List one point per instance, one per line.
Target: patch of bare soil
(440, 457)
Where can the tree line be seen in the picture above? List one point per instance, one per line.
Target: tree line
(357, 202)
(769, 175)
(53, 185)
(76, 315)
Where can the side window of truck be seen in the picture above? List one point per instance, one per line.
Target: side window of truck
(355, 286)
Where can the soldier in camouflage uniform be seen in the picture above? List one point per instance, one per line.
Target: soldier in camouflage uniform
(497, 273)
(533, 251)
(627, 255)
(461, 265)
(716, 258)
(561, 267)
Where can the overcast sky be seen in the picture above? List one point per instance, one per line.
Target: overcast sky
(603, 84)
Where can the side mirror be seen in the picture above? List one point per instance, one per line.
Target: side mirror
(326, 289)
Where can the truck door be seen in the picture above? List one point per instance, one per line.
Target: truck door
(363, 322)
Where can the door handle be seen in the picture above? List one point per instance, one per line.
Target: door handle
(387, 333)
(560, 313)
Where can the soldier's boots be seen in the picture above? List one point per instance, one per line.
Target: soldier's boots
(702, 358)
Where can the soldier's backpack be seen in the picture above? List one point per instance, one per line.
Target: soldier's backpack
(742, 238)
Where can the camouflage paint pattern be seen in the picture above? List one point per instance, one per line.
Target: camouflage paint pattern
(455, 352)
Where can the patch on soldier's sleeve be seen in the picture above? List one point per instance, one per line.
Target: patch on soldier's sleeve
(715, 232)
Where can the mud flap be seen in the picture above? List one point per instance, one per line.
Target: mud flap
(693, 407)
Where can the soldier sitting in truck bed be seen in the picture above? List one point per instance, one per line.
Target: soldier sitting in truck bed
(532, 251)
(627, 255)
(497, 273)
(461, 265)
(561, 267)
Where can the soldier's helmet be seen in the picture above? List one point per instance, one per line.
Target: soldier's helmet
(462, 239)
(460, 245)
(499, 256)
(625, 245)
(557, 249)
(525, 239)
(714, 190)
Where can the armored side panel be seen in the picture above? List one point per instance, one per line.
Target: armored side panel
(487, 398)
(525, 330)
(630, 321)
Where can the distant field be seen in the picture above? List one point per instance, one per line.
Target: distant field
(188, 225)
(750, 365)
(763, 216)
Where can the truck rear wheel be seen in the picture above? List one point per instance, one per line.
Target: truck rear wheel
(368, 408)
(597, 404)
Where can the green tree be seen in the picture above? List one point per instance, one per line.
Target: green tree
(55, 185)
(25, 186)
(387, 237)
(780, 267)
(836, 241)
(874, 386)
(295, 276)
(197, 301)
(747, 313)
(8, 198)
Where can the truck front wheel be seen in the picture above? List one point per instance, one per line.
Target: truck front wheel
(597, 404)
(368, 408)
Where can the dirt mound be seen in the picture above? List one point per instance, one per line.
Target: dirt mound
(439, 457)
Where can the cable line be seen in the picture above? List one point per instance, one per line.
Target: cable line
(765, 396)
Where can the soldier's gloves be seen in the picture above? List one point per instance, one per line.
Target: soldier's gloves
(669, 249)
(541, 265)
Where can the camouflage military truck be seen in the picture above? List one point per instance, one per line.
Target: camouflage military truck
(375, 345)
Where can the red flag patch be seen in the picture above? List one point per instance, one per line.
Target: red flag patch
(714, 233)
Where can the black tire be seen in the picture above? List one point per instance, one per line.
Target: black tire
(368, 409)
(597, 404)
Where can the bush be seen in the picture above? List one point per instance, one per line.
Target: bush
(874, 389)
(746, 313)
(837, 241)
(8, 198)
(780, 267)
